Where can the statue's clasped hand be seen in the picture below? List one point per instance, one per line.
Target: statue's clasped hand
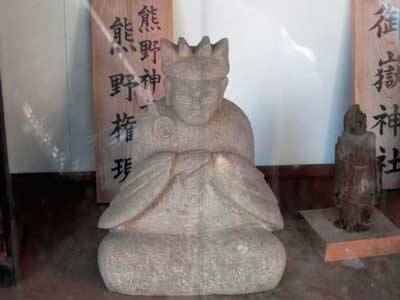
(194, 169)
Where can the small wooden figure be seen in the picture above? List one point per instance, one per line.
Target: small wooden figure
(357, 173)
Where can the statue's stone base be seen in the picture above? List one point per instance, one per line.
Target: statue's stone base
(239, 261)
(335, 244)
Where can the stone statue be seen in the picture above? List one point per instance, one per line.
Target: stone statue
(195, 216)
(357, 172)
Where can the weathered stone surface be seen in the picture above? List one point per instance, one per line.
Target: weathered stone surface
(195, 216)
(234, 261)
(357, 172)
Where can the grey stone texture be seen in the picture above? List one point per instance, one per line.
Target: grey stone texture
(232, 261)
(195, 216)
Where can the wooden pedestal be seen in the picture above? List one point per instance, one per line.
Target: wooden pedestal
(334, 244)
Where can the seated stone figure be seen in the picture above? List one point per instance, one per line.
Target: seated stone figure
(195, 216)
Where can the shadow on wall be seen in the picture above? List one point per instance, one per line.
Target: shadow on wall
(342, 88)
(79, 85)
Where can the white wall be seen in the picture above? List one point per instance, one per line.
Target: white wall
(290, 69)
(290, 72)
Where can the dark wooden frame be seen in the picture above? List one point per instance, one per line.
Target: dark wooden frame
(8, 249)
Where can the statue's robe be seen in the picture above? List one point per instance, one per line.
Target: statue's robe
(192, 179)
(356, 170)
(357, 185)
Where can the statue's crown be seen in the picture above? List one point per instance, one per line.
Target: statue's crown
(204, 61)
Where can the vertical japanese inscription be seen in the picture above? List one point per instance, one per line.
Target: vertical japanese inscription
(148, 79)
(387, 77)
(127, 77)
(377, 78)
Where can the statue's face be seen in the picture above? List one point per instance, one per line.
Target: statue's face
(195, 101)
(359, 123)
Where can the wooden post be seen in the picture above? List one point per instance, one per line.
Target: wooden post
(126, 77)
(8, 245)
(376, 62)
